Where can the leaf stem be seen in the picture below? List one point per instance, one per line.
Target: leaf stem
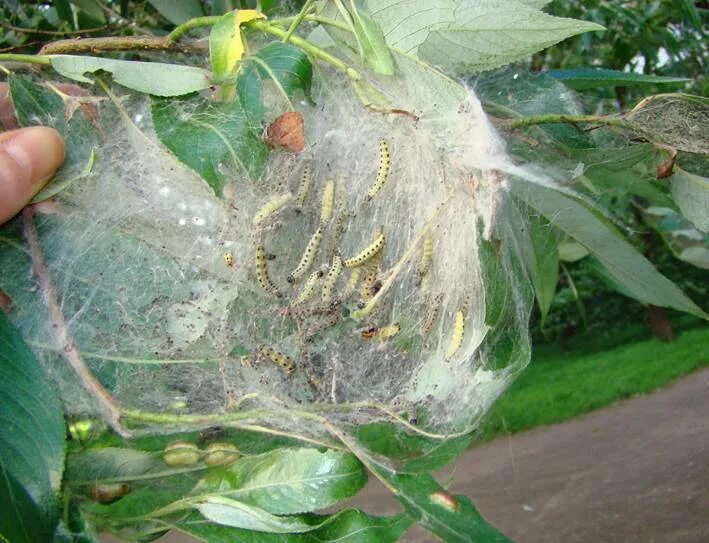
(308, 47)
(121, 43)
(185, 27)
(571, 119)
(298, 19)
(30, 59)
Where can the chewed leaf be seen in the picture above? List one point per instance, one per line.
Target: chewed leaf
(35, 104)
(226, 42)
(157, 78)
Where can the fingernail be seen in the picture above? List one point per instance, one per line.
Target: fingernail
(38, 150)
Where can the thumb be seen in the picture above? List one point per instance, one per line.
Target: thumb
(28, 158)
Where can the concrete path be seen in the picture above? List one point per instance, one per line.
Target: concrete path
(635, 472)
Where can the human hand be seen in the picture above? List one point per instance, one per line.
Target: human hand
(28, 159)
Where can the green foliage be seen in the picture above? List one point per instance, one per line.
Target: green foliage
(211, 138)
(593, 78)
(31, 442)
(561, 385)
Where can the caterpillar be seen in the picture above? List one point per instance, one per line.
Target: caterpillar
(383, 172)
(331, 278)
(308, 256)
(431, 315)
(352, 282)
(456, 339)
(367, 253)
(366, 290)
(229, 259)
(385, 332)
(308, 287)
(306, 180)
(426, 256)
(328, 199)
(262, 277)
(271, 207)
(278, 358)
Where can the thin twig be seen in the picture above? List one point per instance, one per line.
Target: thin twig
(54, 32)
(298, 19)
(569, 119)
(109, 405)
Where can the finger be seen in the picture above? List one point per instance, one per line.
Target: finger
(8, 121)
(28, 158)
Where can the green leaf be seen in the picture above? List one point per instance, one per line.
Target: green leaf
(237, 514)
(453, 519)
(691, 192)
(289, 69)
(371, 39)
(418, 453)
(178, 11)
(347, 526)
(570, 251)
(211, 138)
(21, 519)
(92, 9)
(621, 260)
(156, 78)
(594, 78)
(38, 105)
(31, 434)
(472, 37)
(542, 261)
(286, 481)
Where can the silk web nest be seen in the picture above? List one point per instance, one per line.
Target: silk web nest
(412, 301)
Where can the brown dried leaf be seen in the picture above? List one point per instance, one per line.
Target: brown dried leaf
(666, 169)
(5, 302)
(287, 132)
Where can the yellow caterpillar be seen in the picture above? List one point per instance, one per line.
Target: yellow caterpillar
(306, 180)
(367, 253)
(331, 278)
(229, 259)
(366, 290)
(308, 287)
(271, 207)
(426, 256)
(431, 315)
(328, 199)
(262, 273)
(285, 362)
(308, 256)
(383, 172)
(456, 339)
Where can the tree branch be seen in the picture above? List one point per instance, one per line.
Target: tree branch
(534, 120)
(123, 43)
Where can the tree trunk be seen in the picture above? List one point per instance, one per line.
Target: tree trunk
(660, 323)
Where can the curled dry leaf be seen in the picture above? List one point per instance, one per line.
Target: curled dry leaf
(287, 132)
(666, 169)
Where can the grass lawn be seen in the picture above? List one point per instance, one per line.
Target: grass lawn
(556, 387)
